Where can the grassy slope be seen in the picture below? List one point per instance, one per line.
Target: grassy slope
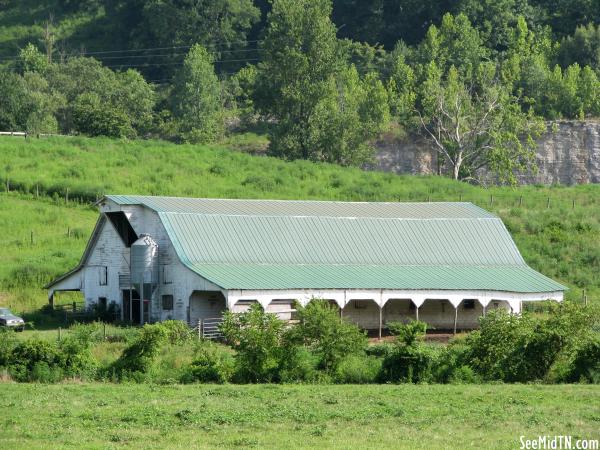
(407, 416)
(22, 21)
(561, 241)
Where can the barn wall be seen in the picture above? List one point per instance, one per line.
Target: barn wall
(109, 252)
(174, 278)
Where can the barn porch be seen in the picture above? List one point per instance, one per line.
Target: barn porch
(372, 310)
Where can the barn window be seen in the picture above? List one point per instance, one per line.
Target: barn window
(360, 304)
(103, 276)
(167, 302)
(469, 304)
(167, 276)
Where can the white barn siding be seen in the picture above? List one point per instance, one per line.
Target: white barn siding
(109, 252)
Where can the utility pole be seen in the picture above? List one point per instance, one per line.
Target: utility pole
(49, 38)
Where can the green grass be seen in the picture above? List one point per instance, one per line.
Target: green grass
(270, 416)
(22, 21)
(560, 238)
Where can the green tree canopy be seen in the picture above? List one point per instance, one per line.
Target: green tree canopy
(197, 103)
(322, 109)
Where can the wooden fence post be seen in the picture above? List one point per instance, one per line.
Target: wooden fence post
(199, 329)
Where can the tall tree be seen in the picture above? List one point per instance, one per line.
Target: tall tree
(197, 103)
(477, 125)
(305, 86)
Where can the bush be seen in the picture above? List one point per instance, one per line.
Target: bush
(299, 366)
(257, 338)
(36, 360)
(452, 365)
(525, 348)
(581, 363)
(409, 364)
(212, 364)
(326, 335)
(410, 360)
(177, 331)
(76, 349)
(8, 342)
(358, 369)
(138, 357)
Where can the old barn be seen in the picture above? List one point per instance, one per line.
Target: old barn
(191, 259)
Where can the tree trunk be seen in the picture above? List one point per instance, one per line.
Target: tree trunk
(456, 166)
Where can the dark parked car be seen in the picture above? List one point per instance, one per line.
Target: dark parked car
(9, 320)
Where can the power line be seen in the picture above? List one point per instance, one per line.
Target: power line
(173, 47)
(178, 63)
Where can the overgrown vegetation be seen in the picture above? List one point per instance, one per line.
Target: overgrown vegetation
(559, 347)
(476, 80)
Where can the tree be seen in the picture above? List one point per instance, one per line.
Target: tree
(257, 338)
(321, 108)
(13, 101)
(322, 331)
(473, 126)
(197, 100)
(220, 25)
(100, 93)
(31, 60)
(42, 105)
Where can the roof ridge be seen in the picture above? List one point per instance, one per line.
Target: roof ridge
(183, 213)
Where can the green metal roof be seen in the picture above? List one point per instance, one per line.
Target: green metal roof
(276, 244)
(517, 278)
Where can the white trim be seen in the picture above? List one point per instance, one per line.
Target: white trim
(381, 296)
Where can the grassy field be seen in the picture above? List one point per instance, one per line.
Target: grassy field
(270, 416)
(48, 185)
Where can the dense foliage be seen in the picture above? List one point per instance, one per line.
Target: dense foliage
(562, 346)
(324, 77)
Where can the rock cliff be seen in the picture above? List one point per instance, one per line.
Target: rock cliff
(568, 153)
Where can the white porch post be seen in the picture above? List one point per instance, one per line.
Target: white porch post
(456, 303)
(417, 301)
(455, 318)
(380, 320)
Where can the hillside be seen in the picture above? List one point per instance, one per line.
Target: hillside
(52, 182)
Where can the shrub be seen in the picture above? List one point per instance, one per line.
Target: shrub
(525, 348)
(358, 369)
(452, 364)
(581, 363)
(326, 335)
(408, 333)
(410, 360)
(34, 358)
(212, 364)
(78, 360)
(138, 357)
(409, 364)
(257, 338)
(177, 331)
(299, 365)
(8, 342)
